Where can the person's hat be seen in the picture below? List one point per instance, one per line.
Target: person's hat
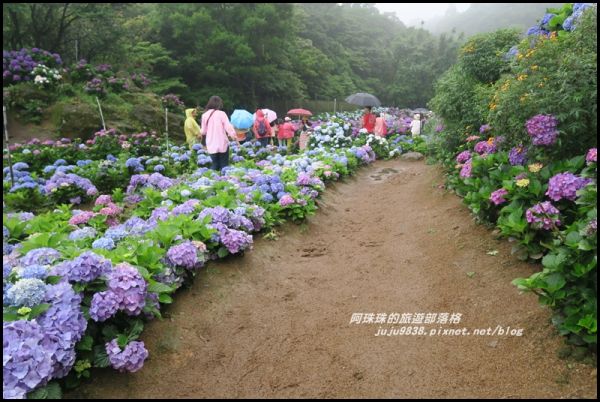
(287, 118)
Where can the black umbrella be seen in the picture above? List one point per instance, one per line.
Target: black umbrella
(363, 99)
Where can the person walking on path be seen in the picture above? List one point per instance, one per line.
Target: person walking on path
(368, 120)
(380, 126)
(286, 132)
(415, 125)
(261, 128)
(216, 127)
(191, 127)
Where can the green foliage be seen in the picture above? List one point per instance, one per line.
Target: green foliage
(50, 391)
(557, 76)
(482, 56)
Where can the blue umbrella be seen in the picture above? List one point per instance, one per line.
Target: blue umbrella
(242, 119)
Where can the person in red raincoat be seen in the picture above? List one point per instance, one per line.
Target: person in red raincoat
(262, 128)
(368, 120)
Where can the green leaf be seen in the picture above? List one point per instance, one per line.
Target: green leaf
(122, 341)
(86, 343)
(53, 279)
(50, 391)
(222, 252)
(572, 239)
(165, 298)
(10, 316)
(555, 281)
(38, 310)
(553, 261)
(158, 287)
(100, 357)
(109, 332)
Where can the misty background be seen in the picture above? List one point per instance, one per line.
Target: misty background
(469, 18)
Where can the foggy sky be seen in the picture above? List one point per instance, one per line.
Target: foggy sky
(411, 14)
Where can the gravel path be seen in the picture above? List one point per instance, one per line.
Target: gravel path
(276, 322)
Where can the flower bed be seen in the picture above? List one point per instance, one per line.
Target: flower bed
(79, 285)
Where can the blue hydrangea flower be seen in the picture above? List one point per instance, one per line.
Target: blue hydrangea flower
(84, 233)
(27, 292)
(116, 233)
(33, 271)
(104, 242)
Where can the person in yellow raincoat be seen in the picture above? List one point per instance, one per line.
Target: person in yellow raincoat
(191, 127)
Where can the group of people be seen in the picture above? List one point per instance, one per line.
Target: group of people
(215, 130)
(375, 123)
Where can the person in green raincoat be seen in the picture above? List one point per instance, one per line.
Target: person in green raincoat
(191, 127)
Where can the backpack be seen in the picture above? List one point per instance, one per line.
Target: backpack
(262, 128)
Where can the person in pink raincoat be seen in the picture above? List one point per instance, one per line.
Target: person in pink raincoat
(286, 132)
(216, 127)
(380, 126)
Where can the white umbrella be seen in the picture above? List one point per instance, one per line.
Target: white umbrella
(271, 115)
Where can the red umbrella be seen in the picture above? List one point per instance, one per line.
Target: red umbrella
(299, 112)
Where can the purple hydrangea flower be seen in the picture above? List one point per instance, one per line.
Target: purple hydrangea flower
(85, 268)
(40, 256)
(185, 208)
(27, 358)
(64, 324)
(286, 200)
(482, 147)
(463, 156)
(303, 179)
(543, 216)
(82, 218)
(103, 200)
(465, 171)
(542, 129)
(184, 255)
(518, 156)
(592, 156)
(497, 197)
(131, 359)
(219, 214)
(592, 227)
(127, 283)
(104, 305)
(565, 185)
(160, 214)
(235, 240)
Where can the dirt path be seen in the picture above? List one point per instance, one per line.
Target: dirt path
(276, 323)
